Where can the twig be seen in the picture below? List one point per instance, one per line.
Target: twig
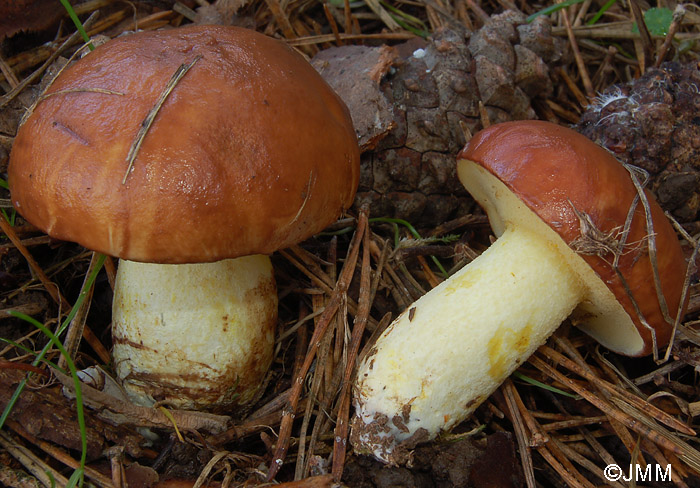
(333, 24)
(546, 446)
(254, 425)
(319, 373)
(42, 471)
(111, 271)
(605, 67)
(580, 97)
(679, 472)
(678, 15)
(8, 73)
(690, 270)
(281, 18)
(116, 461)
(347, 16)
(51, 288)
(583, 461)
(314, 272)
(32, 308)
(478, 11)
(377, 8)
(5, 364)
(333, 379)
(136, 415)
(60, 455)
(573, 422)
(648, 46)
(597, 447)
(667, 368)
(429, 275)
(653, 260)
(623, 29)
(322, 38)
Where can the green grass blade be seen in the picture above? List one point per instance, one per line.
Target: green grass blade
(544, 386)
(76, 478)
(415, 234)
(28, 351)
(78, 24)
(76, 383)
(601, 12)
(553, 8)
(83, 293)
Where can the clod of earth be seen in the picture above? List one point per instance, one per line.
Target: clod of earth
(577, 237)
(191, 154)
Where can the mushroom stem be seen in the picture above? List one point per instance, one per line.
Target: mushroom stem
(453, 347)
(194, 335)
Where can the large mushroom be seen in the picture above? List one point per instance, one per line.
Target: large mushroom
(192, 154)
(559, 205)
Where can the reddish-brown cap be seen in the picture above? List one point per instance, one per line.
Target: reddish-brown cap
(250, 152)
(565, 179)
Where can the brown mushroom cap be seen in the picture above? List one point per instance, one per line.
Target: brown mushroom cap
(563, 178)
(250, 152)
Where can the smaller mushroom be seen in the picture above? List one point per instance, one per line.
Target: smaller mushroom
(246, 150)
(559, 205)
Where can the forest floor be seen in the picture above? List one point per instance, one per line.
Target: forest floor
(570, 411)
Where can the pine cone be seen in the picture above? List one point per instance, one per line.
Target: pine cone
(411, 104)
(653, 123)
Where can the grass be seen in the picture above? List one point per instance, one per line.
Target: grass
(414, 233)
(78, 24)
(54, 341)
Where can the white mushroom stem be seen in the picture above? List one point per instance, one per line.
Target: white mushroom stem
(194, 335)
(453, 347)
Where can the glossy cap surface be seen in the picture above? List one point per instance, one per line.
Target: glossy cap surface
(585, 195)
(250, 152)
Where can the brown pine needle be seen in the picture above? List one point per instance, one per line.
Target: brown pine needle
(151, 116)
(618, 392)
(324, 321)
(520, 433)
(629, 417)
(580, 63)
(51, 287)
(31, 462)
(365, 303)
(60, 455)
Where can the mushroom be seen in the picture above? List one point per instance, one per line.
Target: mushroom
(559, 205)
(192, 154)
